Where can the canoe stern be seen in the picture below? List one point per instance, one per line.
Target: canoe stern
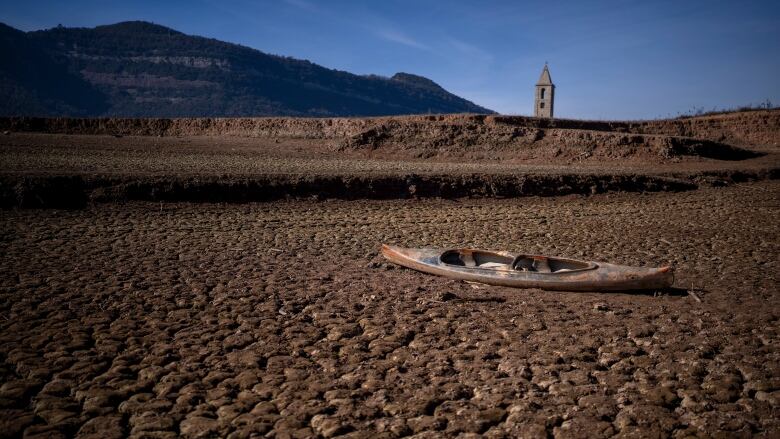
(619, 277)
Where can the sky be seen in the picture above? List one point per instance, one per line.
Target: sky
(611, 59)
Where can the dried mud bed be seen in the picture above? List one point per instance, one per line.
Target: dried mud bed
(279, 319)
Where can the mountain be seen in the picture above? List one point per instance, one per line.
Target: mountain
(140, 69)
(34, 82)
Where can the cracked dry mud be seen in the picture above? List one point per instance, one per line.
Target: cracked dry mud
(279, 319)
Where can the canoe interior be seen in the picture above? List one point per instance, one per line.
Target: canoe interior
(500, 262)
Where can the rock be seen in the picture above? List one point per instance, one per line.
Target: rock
(759, 385)
(584, 427)
(102, 427)
(98, 405)
(426, 423)
(772, 398)
(248, 398)
(154, 435)
(247, 379)
(343, 331)
(227, 413)
(446, 296)
(264, 408)
(641, 331)
(529, 430)
(135, 404)
(43, 431)
(19, 389)
(237, 341)
(149, 421)
(244, 358)
(251, 430)
(13, 422)
(397, 426)
(492, 416)
(198, 426)
(662, 396)
(151, 373)
(55, 416)
(58, 387)
(264, 391)
(328, 426)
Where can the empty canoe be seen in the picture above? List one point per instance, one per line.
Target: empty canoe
(529, 271)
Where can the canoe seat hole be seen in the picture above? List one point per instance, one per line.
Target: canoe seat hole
(477, 259)
(496, 261)
(541, 264)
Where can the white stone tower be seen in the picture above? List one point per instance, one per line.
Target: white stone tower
(545, 95)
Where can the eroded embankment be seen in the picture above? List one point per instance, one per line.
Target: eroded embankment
(78, 191)
(469, 137)
(418, 139)
(739, 128)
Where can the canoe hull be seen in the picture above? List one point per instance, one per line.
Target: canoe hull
(602, 277)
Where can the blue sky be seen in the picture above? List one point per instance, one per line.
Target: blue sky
(609, 59)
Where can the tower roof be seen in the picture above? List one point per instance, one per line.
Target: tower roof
(544, 78)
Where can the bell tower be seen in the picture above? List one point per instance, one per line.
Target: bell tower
(545, 95)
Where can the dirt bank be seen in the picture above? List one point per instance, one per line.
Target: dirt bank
(244, 160)
(753, 128)
(78, 191)
(45, 170)
(427, 139)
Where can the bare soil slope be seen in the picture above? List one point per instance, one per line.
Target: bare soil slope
(69, 162)
(54, 170)
(752, 128)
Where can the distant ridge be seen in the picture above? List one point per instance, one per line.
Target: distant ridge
(141, 69)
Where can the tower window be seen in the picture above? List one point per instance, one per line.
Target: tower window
(541, 105)
(541, 94)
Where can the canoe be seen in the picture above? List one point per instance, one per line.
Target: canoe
(529, 271)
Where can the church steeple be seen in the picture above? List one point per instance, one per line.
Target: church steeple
(545, 93)
(544, 78)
